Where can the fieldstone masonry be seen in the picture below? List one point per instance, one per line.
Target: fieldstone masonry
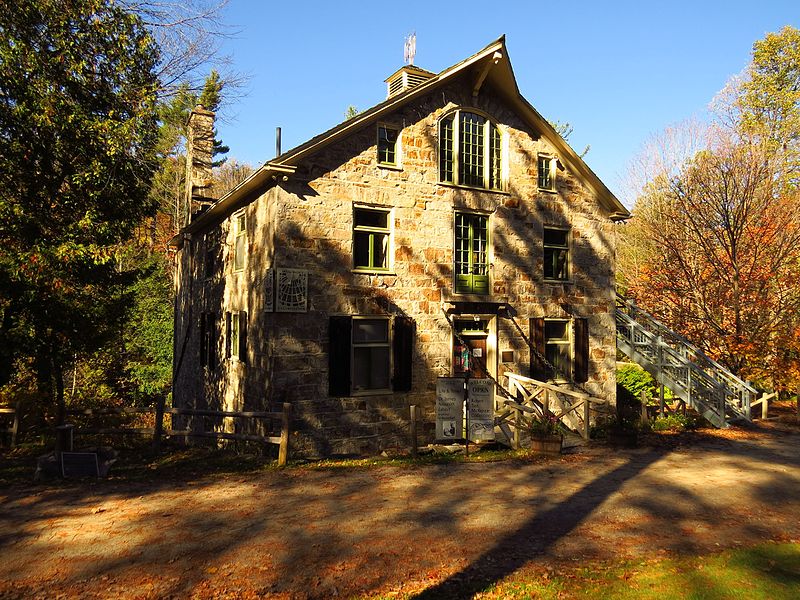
(306, 222)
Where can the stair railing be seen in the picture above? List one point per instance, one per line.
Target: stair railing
(705, 381)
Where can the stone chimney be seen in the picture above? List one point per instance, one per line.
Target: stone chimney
(199, 156)
(405, 78)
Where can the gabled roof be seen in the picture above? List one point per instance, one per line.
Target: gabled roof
(491, 64)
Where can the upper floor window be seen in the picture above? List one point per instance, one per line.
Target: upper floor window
(547, 172)
(371, 238)
(556, 254)
(471, 254)
(470, 151)
(387, 145)
(240, 240)
(211, 253)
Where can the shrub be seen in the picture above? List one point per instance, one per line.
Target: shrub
(674, 422)
(632, 380)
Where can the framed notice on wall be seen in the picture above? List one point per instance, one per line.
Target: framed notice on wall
(449, 408)
(481, 410)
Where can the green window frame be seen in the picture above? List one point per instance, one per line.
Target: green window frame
(387, 145)
(471, 253)
(556, 253)
(546, 170)
(558, 347)
(372, 233)
(470, 151)
(240, 240)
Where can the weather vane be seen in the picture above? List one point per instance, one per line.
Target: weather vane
(410, 48)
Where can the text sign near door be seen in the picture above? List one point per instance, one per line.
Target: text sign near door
(481, 410)
(449, 408)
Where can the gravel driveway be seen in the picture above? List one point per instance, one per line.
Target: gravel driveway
(452, 529)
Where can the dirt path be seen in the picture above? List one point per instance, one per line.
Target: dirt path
(453, 529)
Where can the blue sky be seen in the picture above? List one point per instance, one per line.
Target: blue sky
(617, 71)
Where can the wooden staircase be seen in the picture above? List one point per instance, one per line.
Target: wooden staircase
(705, 385)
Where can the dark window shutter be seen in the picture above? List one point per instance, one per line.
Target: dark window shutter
(227, 335)
(581, 362)
(243, 335)
(203, 340)
(340, 331)
(539, 369)
(403, 349)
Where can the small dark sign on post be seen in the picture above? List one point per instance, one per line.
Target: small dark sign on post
(79, 464)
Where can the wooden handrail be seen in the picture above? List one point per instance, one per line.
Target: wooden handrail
(548, 386)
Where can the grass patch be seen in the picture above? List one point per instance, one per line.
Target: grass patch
(768, 571)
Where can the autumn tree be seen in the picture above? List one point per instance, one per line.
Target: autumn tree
(77, 133)
(713, 252)
(769, 99)
(714, 246)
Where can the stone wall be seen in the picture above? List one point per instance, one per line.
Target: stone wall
(306, 222)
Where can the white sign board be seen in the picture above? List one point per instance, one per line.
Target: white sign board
(449, 408)
(481, 410)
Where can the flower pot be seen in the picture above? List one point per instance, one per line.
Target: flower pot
(546, 443)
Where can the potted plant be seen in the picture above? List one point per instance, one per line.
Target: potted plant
(546, 437)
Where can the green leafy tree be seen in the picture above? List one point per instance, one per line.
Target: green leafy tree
(77, 133)
(769, 98)
(350, 112)
(210, 98)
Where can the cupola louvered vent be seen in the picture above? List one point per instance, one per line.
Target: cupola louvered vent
(406, 78)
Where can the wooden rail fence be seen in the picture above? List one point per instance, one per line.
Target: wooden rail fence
(541, 400)
(282, 441)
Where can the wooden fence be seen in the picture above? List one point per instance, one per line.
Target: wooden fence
(537, 400)
(282, 441)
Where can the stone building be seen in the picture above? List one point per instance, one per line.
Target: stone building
(334, 277)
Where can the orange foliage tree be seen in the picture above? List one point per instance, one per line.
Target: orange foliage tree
(714, 251)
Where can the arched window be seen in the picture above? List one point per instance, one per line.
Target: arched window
(470, 151)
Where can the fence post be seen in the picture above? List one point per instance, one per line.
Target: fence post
(764, 407)
(517, 425)
(15, 424)
(643, 396)
(283, 451)
(413, 430)
(586, 406)
(158, 428)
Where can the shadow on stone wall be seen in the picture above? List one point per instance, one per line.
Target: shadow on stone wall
(288, 353)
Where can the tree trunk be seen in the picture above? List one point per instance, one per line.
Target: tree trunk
(58, 378)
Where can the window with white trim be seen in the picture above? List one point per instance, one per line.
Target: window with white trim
(239, 240)
(561, 343)
(236, 335)
(470, 151)
(547, 172)
(556, 253)
(388, 137)
(558, 347)
(372, 234)
(370, 354)
(371, 361)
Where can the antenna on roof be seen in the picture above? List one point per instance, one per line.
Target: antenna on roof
(410, 48)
